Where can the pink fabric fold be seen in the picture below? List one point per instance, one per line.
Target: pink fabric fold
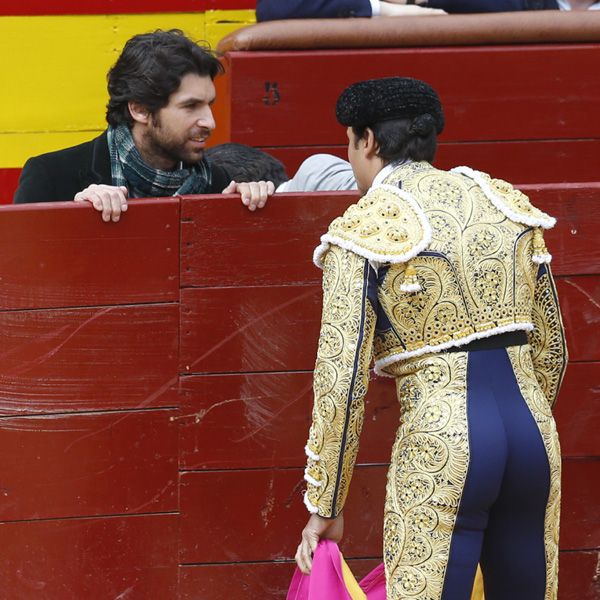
(326, 581)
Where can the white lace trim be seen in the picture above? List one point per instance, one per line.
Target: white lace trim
(310, 479)
(410, 287)
(311, 454)
(309, 505)
(540, 259)
(388, 360)
(327, 239)
(547, 222)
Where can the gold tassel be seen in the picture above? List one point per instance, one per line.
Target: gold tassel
(540, 252)
(411, 282)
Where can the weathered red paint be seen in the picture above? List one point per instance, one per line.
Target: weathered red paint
(84, 359)
(88, 464)
(107, 7)
(59, 256)
(493, 93)
(266, 524)
(261, 420)
(9, 179)
(113, 412)
(520, 162)
(133, 557)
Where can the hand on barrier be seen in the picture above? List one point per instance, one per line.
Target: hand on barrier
(110, 200)
(254, 194)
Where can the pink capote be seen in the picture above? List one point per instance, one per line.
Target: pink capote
(326, 581)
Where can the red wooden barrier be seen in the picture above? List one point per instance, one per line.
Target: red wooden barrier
(521, 111)
(155, 392)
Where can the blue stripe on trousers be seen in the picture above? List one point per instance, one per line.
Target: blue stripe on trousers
(500, 521)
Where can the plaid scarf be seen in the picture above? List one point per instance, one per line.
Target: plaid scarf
(143, 181)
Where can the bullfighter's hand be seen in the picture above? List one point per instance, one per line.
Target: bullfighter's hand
(317, 528)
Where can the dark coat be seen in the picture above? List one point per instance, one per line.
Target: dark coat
(59, 175)
(271, 10)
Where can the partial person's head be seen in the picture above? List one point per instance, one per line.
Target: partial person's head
(245, 163)
(162, 88)
(389, 120)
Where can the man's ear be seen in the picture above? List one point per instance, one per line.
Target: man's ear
(371, 146)
(139, 112)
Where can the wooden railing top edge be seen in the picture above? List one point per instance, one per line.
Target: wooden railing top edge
(549, 26)
(593, 185)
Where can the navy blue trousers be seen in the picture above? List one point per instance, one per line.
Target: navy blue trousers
(500, 523)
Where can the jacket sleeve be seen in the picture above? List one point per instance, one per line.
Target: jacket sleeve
(547, 340)
(35, 184)
(272, 10)
(341, 379)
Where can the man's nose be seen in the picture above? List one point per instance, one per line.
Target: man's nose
(206, 119)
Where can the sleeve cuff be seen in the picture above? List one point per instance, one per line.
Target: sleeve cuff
(375, 8)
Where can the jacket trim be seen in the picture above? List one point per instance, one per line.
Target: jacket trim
(309, 505)
(382, 363)
(546, 222)
(328, 239)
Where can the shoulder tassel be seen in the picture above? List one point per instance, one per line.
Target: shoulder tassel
(411, 282)
(540, 252)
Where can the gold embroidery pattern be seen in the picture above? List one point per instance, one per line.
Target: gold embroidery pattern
(520, 357)
(381, 223)
(548, 346)
(476, 276)
(339, 375)
(429, 466)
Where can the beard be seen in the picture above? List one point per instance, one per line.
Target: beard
(163, 147)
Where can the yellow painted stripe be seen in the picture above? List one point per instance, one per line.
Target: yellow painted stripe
(54, 72)
(220, 23)
(16, 148)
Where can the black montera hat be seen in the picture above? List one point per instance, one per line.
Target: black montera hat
(368, 102)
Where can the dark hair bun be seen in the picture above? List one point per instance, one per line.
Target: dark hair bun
(422, 125)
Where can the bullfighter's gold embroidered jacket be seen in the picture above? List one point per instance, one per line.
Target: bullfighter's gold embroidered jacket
(425, 261)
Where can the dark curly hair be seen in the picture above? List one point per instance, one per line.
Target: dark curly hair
(150, 69)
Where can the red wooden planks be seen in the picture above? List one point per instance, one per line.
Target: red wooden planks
(580, 307)
(91, 464)
(88, 359)
(227, 330)
(255, 580)
(9, 179)
(102, 7)
(255, 243)
(498, 93)
(532, 161)
(580, 527)
(273, 246)
(131, 558)
(62, 254)
(258, 515)
(262, 420)
(577, 411)
(573, 241)
(578, 576)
